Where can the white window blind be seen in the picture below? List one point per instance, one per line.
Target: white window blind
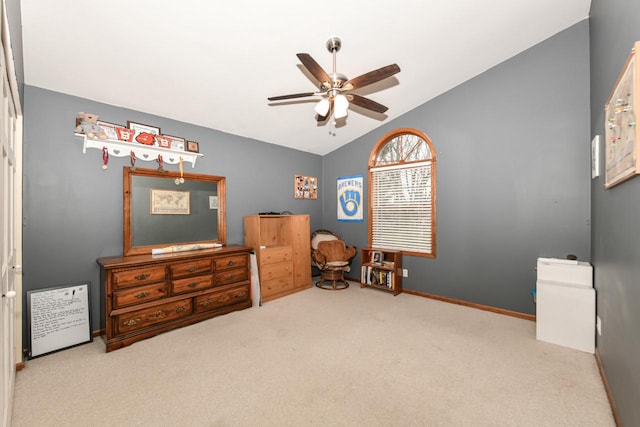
(402, 207)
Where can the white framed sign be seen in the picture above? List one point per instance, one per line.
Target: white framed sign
(595, 156)
(58, 318)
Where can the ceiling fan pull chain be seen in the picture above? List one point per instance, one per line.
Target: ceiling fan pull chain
(332, 120)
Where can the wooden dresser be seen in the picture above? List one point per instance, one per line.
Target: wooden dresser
(283, 251)
(145, 295)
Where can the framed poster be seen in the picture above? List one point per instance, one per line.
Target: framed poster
(59, 318)
(622, 141)
(305, 187)
(350, 198)
(140, 127)
(144, 134)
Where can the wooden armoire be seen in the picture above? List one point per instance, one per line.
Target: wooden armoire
(282, 244)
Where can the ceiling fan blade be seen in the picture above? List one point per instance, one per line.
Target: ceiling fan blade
(371, 77)
(314, 68)
(367, 103)
(294, 95)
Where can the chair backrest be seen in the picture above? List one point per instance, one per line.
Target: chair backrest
(322, 235)
(334, 250)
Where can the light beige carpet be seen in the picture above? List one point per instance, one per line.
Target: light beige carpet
(358, 357)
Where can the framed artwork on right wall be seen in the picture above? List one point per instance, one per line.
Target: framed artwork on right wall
(622, 138)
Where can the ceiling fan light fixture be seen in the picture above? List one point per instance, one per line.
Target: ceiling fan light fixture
(341, 104)
(322, 107)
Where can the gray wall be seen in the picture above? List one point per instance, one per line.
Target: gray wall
(615, 26)
(73, 209)
(513, 174)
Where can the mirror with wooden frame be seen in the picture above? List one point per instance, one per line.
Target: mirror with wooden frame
(167, 208)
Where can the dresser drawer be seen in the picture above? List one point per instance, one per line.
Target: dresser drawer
(274, 286)
(191, 284)
(230, 276)
(139, 295)
(139, 276)
(276, 254)
(139, 319)
(228, 262)
(222, 298)
(273, 271)
(201, 266)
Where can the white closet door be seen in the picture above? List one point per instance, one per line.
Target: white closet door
(10, 220)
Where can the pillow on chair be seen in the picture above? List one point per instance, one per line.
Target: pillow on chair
(321, 237)
(336, 250)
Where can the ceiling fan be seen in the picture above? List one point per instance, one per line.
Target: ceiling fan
(336, 89)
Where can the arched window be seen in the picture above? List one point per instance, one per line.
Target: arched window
(402, 193)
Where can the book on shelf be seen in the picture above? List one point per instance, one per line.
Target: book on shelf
(371, 275)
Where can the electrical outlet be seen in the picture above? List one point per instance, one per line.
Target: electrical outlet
(599, 325)
(405, 272)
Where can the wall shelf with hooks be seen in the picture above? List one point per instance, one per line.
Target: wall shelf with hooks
(142, 152)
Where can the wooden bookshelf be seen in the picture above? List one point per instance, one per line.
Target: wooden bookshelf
(381, 269)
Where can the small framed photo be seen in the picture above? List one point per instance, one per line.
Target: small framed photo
(376, 257)
(139, 127)
(175, 142)
(109, 129)
(193, 147)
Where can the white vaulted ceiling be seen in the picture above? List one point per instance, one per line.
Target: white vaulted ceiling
(214, 63)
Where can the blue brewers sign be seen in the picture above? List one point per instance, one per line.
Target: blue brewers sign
(350, 198)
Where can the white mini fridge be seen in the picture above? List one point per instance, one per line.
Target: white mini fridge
(566, 303)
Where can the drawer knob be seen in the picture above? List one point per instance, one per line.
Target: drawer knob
(230, 263)
(131, 322)
(205, 303)
(193, 285)
(192, 269)
(231, 276)
(181, 309)
(143, 295)
(142, 276)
